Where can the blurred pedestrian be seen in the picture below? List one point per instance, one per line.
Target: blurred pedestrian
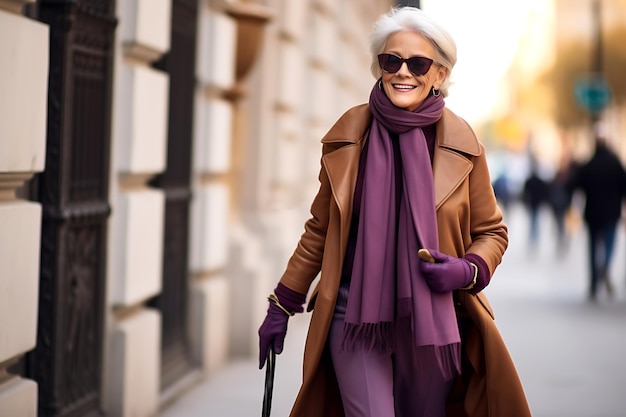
(560, 201)
(394, 334)
(502, 191)
(534, 196)
(602, 180)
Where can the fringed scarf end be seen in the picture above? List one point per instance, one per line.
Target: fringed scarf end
(368, 336)
(449, 359)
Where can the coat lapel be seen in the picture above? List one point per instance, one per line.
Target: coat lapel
(449, 171)
(455, 139)
(342, 167)
(342, 164)
(454, 143)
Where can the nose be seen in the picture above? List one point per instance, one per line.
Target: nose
(404, 69)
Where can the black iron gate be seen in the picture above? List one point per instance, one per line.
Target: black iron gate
(173, 303)
(73, 191)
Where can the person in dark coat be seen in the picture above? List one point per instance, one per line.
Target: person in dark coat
(535, 194)
(501, 189)
(560, 200)
(603, 182)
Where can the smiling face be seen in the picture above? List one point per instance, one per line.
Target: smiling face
(404, 89)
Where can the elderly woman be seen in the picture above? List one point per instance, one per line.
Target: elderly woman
(406, 232)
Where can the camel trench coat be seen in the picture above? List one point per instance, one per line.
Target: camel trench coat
(468, 220)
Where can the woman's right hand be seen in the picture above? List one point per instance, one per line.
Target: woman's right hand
(284, 302)
(272, 332)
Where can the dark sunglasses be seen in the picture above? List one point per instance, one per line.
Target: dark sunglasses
(418, 65)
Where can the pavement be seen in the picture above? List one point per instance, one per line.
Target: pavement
(569, 351)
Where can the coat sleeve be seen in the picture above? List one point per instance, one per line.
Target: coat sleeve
(306, 260)
(489, 233)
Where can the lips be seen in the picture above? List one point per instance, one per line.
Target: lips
(404, 87)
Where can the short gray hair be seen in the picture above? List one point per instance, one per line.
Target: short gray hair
(414, 20)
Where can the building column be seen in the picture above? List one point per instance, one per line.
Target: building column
(210, 318)
(140, 115)
(23, 82)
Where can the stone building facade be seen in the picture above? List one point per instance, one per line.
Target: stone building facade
(157, 162)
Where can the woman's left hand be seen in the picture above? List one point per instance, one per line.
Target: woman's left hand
(445, 273)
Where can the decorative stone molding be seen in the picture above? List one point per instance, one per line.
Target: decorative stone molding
(140, 248)
(134, 386)
(141, 125)
(145, 28)
(10, 182)
(251, 19)
(18, 397)
(217, 36)
(23, 91)
(14, 6)
(20, 228)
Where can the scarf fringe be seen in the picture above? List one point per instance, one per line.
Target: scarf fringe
(449, 359)
(448, 356)
(380, 337)
(369, 336)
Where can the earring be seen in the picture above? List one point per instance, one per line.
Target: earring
(380, 83)
(434, 91)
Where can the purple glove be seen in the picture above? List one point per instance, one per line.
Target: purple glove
(484, 275)
(274, 328)
(446, 273)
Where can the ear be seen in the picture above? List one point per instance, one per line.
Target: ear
(440, 76)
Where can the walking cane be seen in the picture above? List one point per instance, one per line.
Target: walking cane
(269, 382)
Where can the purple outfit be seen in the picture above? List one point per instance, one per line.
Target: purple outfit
(394, 340)
(381, 384)
(397, 217)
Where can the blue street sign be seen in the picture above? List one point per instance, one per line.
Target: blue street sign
(593, 93)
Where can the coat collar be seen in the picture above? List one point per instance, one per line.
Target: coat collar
(456, 134)
(452, 132)
(454, 142)
(351, 127)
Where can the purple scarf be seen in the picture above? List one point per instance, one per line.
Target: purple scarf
(386, 282)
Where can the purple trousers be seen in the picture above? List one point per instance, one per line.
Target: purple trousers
(395, 384)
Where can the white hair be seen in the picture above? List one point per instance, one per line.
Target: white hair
(414, 20)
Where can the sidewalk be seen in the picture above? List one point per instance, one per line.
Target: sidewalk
(570, 353)
(237, 390)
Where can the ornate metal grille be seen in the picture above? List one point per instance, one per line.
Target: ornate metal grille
(73, 191)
